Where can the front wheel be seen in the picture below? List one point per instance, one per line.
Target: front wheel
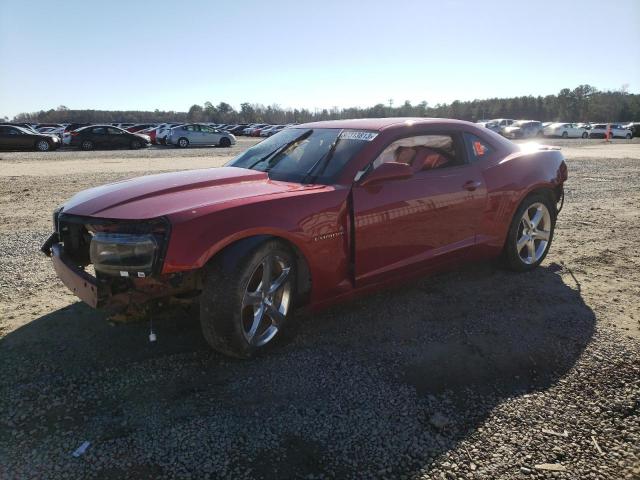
(183, 143)
(136, 144)
(225, 142)
(243, 310)
(43, 146)
(565, 135)
(86, 145)
(530, 233)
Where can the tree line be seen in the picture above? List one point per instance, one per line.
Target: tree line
(582, 104)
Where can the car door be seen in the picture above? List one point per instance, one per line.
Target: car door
(9, 137)
(192, 133)
(99, 137)
(405, 224)
(117, 138)
(574, 131)
(209, 137)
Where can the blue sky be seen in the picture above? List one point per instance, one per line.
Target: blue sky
(171, 54)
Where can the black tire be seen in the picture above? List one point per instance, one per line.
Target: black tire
(565, 135)
(225, 142)
(628, 136)
(136, 144)
(510, 253)
(86, 145)
(585, 135)
(182, 142)
(42, 145)
(221, 301)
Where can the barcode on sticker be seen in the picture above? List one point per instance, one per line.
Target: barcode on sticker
(357, 135)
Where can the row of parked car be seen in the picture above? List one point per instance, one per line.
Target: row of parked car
(532, 128)
(50, 136)
(44, 137)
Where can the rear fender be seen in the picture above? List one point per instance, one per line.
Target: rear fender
(510, 181)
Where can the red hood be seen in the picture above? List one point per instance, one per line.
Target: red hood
(158, 195)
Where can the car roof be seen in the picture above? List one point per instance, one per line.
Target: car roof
(383, 123)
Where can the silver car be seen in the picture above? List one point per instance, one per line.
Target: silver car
(199, 134)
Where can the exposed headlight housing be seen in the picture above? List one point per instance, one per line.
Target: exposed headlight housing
(123, 253)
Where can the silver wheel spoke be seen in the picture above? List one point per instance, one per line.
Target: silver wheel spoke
(276, 317)
(526, 219)
(252, 298)
(537, 217)
(278, 282)
(531, 251)
(522, 242)
(266, 273)
(258, 314)
(542, 235)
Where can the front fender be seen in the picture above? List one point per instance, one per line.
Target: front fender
(315, 222)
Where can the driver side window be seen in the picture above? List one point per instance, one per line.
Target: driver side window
(423, 152)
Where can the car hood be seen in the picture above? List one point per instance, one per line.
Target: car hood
(164, 194)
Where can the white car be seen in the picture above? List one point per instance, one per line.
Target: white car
(599, 130)
(565, 130)
(498, 124)
(162, 132)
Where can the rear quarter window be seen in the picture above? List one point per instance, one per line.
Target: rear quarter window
(477, 149)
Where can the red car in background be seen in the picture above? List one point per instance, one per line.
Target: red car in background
(316, 214)
(151, 132)
(140, 126)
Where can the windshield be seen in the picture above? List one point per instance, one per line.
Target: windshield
(304, 155)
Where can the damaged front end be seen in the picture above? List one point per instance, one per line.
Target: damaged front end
(116, 265)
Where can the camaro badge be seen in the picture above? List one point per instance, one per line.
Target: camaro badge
(327, 236)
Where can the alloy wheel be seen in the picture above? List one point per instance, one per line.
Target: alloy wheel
(266, 300)
(534, 233)
(43, 145)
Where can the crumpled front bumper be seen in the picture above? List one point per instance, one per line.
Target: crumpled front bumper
(83, 285)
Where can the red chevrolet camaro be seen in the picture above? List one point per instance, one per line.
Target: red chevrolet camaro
(315, 214)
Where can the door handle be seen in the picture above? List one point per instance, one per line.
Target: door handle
(471, 185)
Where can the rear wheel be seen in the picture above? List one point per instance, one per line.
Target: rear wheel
(43, 146)
(225, 142)
(86, 145)
(530, 233)
(244, 310)
(565, 135)
(183, 142)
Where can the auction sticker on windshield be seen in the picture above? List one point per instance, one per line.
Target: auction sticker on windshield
(358, 135)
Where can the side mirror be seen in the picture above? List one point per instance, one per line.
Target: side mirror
(388, 171)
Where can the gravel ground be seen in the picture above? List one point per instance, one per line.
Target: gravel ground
(475, 374)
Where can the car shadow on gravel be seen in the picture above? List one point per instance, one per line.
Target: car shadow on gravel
(379, 387)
